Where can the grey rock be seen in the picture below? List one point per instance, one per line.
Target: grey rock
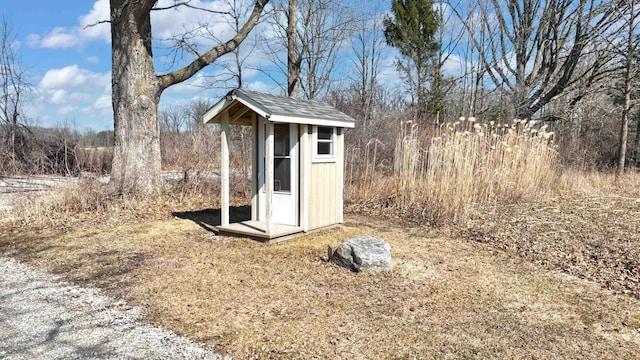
(366, 253)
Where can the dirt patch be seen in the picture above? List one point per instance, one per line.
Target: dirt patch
(444, 298)
(593, 236)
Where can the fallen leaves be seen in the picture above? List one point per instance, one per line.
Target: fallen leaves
(592, 236)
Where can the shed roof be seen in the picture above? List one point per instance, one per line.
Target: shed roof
(277, 109)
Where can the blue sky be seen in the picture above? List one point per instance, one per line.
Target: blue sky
(69, 64)
(70, 78)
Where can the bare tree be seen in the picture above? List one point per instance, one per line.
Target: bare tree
(14, 90)
(313, 50)
(239, 11)
(366, 47)
(172, 120)
(533, 49)
(474, 71)
(449, 36)
(136, 90)
(625, 43)
(195, 110)
(293, 55)
(327, 24)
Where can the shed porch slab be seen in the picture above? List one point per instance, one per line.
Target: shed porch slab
(257, 229)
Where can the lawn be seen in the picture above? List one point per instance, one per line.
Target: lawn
(470, 295)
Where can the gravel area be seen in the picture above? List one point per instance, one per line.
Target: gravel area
(44, 317)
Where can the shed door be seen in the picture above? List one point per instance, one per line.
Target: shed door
(285, 173)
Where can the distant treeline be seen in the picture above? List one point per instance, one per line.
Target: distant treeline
(61, 151)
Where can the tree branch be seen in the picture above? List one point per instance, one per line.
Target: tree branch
(207, 58)
(97, 23)
(187, 4)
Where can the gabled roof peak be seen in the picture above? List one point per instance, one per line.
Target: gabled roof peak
(281, 109)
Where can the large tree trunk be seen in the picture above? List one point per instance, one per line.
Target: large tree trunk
(293, 58)
(136, 94)
(136, 90)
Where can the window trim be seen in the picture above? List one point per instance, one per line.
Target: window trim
(321, 158)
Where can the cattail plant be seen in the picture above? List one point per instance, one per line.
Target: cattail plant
(442, 177)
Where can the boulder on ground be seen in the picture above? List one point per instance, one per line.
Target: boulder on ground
(366, 253)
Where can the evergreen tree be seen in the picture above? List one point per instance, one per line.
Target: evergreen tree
(412, 29)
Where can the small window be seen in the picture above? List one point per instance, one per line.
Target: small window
(324, 140)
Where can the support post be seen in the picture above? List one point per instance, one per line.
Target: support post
(268, 181)
(340, 162)
(305, 157)
(254, 167)
(224, 171)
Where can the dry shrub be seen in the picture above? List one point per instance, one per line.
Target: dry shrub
(92, 200)
(466, 164)
(198, 149)
(197, 153)
(96, 159)
(598, 182)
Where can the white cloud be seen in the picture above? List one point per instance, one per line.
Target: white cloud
(33, 40)
(103, 102)
(388, 75)
(59, 37)
(58, 96)
(196, 84)
(61, 96)
(66, 110)
(91, 26)
(76, 92)
(73, 77)
(453, 66)
(262, 87)
(211, 25)
(92, 59)
(206, 28)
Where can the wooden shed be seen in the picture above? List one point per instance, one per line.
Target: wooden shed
(297, 162)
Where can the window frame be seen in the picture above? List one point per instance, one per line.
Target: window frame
(324, 158)
(288, 156)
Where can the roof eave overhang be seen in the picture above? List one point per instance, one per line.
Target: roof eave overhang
(214, 115)
(311, 121)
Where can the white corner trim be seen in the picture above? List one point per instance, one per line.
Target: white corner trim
(215, 110)
(224, 170)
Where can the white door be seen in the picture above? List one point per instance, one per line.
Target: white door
(285, 173)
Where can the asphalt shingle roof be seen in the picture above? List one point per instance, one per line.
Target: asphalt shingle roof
(286, 106)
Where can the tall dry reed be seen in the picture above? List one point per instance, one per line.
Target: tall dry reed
(465, 164)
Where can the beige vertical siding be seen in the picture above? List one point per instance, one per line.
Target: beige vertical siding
(325, 189)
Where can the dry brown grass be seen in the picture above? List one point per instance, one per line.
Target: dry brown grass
(441, 178)
(546, 277)
(570, 181)
(445, 298)
(590, 228)
(89, 200)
